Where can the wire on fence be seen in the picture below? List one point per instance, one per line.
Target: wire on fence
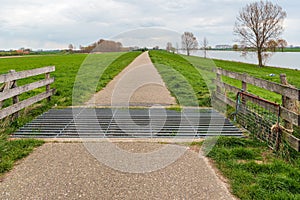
(260, 117)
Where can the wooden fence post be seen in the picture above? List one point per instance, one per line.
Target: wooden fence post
(287, 102)
(2, 89)
(244, 84)
(15, 99)
(6, 86)
(47, 76)
(219, 80)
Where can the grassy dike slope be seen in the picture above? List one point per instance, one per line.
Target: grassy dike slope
(206, 66)
(182, 79)
(67, 67)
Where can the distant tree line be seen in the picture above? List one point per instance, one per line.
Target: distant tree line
(103, 46)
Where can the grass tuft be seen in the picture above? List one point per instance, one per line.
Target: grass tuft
(14, 150)
(252, 174)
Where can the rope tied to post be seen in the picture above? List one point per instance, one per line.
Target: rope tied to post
(277, 127)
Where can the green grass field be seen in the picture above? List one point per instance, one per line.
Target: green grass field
(67, 71)
(290, 50)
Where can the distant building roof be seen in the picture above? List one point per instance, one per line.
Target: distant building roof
(223, 46)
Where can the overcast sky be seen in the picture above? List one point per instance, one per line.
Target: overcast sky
(53, 24)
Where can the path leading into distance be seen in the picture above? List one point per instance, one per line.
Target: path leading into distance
(139, 84)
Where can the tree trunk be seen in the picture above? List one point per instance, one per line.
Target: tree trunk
(188, 51)
(259, 56)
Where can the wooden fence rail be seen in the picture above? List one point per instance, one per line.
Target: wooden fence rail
(290, 96)
(10, 89)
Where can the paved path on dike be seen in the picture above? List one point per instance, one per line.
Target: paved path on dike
(139, 84)
(69, 171)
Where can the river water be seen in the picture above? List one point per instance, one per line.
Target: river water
(279, 59)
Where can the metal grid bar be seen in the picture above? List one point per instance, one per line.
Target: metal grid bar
(89, 123)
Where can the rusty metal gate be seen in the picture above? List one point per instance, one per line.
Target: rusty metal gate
(260, 117)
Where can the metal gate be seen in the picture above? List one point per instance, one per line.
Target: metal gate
(260, 117)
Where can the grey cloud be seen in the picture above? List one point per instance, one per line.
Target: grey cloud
(44, 24)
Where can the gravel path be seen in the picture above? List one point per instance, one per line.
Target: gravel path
(139, 84)
(68, 171)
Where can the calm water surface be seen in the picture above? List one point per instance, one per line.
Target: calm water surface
(279, 59)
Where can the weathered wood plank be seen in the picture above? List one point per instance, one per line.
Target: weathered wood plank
(25, 74)
(23, 104)
(47, 76)
(219, 79)
(290, 116)
(293, 141)
(225, 99)
(227, 86)
(292, 93)
(25, 88)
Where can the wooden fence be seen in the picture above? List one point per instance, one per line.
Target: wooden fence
(290, 96)
(10, 89)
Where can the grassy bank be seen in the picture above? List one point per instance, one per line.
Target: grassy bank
(67, 69)
(254, 171)
(182, 79)
(187, 75)
(205, 66)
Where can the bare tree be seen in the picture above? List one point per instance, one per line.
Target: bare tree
(189, 42)
(272, 45)
(282, 44)
(71, 47)
(169, 46)
(205, 46)
(258, 23)
(235, 47)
